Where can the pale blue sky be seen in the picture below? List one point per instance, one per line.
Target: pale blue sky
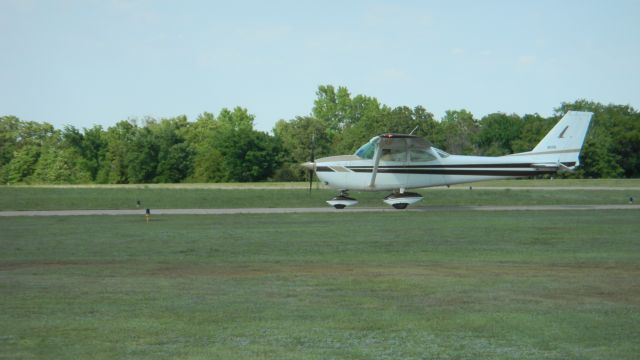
(97, 62)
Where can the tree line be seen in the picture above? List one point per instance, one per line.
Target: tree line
(227, 148)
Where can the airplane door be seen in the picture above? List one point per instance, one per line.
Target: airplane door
(394, 159)
(420, 166)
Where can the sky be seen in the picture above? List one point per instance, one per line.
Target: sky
(97, 62)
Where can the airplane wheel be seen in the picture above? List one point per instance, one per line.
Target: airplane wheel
(400, 206)
(339, 206)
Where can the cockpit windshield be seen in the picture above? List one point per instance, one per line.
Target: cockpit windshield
(367, 150)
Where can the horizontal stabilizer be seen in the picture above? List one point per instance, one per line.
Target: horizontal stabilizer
(559, 167)
(546, 166)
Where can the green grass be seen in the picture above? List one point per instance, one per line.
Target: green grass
(125, 197)
(305, 185)
(229, 185)
(605, 183)
(524, 285)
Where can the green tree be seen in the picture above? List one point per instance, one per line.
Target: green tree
(372, 119)
(498, 132)
(94, 150)
(248, 155)
(334, 107)
(620, 123)
(623, 124)
(9, 129)
(142, 158)
(84, 150)
(534, 128)
(261, 159)
(457, 132)
(120, 142)
(23, 164)
(174, 156)
(299, 138)
(426, 123)
(29, 140)
(350, 122)
(598, 160)
(60, 164)
(208, 162)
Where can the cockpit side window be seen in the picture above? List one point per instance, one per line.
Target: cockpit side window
(394, 149)
(421, 155)
(394, 154)
(420, 152)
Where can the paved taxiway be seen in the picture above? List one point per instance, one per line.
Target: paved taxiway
(314, 210)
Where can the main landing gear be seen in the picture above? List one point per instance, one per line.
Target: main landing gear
(343, 200)
(399, 200)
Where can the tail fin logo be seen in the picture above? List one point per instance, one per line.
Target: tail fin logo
(561, 136)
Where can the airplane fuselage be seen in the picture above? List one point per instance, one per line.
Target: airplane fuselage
(353, 173)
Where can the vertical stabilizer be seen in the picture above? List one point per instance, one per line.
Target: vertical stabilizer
(564, 142)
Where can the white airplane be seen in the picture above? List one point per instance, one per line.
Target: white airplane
(397, 162)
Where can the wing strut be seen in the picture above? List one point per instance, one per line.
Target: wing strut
(376, 161)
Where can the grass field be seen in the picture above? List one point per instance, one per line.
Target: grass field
(193, 196)
(525, 285)
(628, 183)
(574, 183)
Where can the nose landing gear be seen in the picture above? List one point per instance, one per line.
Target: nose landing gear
(343, 200)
